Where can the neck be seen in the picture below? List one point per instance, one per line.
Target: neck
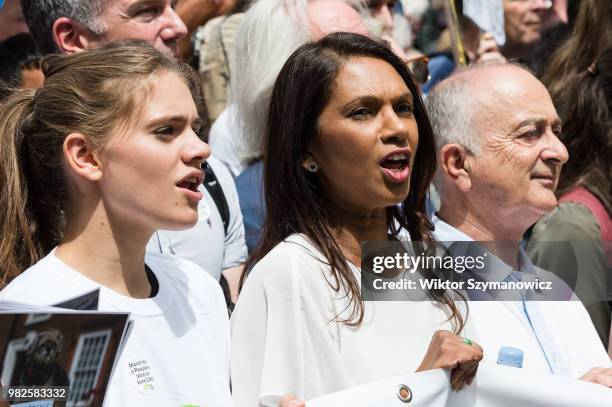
(109, 252)
(504, 241)
(353, 228)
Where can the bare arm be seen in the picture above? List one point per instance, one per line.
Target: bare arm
(232, 275)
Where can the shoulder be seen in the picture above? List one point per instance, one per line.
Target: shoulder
(294, 259)
(568, 221)
(47, 282)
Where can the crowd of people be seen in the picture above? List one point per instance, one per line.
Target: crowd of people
(197, 160)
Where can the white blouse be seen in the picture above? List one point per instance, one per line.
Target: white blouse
(286, 337)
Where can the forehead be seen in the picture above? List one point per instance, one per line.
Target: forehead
(506, 97)
(361, 76)
(160, 95)
(167, 93)
(327, 16)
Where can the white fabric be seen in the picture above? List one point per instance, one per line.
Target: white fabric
(285, 338)
(488, 16)
(500, 323)
(182, 334)
(494, 386)
(207, 244)
(223, 139)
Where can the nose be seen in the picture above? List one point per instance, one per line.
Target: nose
(174, 27)
(195, 151)
(555, 150)
(395, 130)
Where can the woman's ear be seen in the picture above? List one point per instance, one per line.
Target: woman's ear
(81, 157)
(454, 163)
(309, 163)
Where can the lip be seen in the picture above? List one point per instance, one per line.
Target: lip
(397, 176)
(192, 195)
(533, 24)
(545, 179)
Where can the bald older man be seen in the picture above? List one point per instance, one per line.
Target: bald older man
(499, 160)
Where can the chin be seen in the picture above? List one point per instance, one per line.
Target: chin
(545, 207)
(532, 39)
(394, 199)
(186, 221)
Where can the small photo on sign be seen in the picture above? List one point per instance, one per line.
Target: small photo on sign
(58, 359)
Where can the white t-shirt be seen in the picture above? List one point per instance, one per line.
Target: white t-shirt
(181, 335)
(224, 139)
(285, 339)
(206, 243)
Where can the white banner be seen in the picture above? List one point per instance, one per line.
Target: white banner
(497, 386)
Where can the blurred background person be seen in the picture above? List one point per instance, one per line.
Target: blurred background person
(69, 27)
(558, 26)
(11, 19)
(494, 30)
(19, 64)
(214, 49)
(197, 13)
(523, 25)
(579, 78)
(479, 46)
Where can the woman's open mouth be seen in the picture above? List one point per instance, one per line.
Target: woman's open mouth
(396, 167)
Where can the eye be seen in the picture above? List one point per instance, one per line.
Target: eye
(164, 131)
(361, 113)
(404, 109)
(530, 135)
(148, 13)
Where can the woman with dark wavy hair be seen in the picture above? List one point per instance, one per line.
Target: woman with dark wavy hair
(349, 156)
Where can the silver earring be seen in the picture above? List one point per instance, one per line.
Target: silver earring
(313, 167)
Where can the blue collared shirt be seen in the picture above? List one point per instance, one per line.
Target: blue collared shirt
(528, 308)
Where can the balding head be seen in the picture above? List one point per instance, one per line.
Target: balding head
(464, 105)
(329, 16)
(499, 156)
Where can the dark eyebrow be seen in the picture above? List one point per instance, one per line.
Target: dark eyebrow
(197, 121)
(373, 100)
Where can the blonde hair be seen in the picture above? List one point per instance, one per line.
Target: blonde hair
(90, 93)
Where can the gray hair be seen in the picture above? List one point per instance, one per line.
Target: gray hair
(449, 105)
(269, 33)
(40, 15)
